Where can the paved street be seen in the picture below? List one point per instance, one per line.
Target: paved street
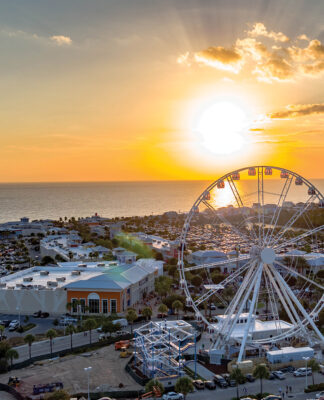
(272, 387)
(59, 343)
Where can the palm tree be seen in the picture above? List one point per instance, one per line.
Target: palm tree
(147, 312)
(29, 339)
(177, 306)
(69, 306)
(131, 316)
(238, 376)
(51, 334)
(184, 385)
(90, 324)
(262, 372)
(12, 354)
(314, 365)
(70, 329)
(163, 309)
(2, 328)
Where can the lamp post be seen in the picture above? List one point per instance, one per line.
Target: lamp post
(88, 370)
(306, 359)
(18, 309)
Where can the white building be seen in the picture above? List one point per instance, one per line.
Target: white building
(288, 354)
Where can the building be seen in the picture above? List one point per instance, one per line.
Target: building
(124, 256)
(103, 287)
(26, 228)
(258, 329)
(288, 354)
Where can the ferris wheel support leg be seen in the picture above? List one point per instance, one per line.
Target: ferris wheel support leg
(252, 305)
(300, 307)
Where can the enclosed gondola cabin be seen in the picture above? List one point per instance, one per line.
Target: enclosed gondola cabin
(298, 181)
(251, 172)
(220, 185)
(311, 191)
(188, 302)
(207, 196)
(268, 171)
(284, 175)
(236, 176)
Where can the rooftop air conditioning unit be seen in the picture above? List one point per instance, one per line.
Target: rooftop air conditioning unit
(10, 287)
(76, 273)
(101, 265)
(52, 283)
(28, 279)
(2, 285)
(43, 273)
(82, 265)
(61, 279)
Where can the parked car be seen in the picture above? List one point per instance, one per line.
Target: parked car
(37, 314)
(220, 381)
(303, 372)
(210, 385)
(290, 368)
(271, 376)
(67, 321)
(279, 375)
(231, 382)
(272, 397)
(14, 324)
(199, 384)
(6, 322)
(249, 377)
(212, 307)
(44, 315)
(319, 395)
(173, 396)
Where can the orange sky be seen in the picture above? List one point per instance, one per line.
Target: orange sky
(116, 92)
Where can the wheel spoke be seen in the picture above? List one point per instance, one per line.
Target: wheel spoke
(292, 220)
(300, 275)
(298, 238)
(276, 214)
(240, 203)
(218, 263)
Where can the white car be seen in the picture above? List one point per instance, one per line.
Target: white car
(279, 375)
(302, 372)
(173, 396)
(14, 324)
(320, 395)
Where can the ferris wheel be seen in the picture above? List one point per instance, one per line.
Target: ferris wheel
(265, 223)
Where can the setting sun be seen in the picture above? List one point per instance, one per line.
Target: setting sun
(221, 126)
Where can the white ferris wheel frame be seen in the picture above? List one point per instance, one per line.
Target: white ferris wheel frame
(256, 265)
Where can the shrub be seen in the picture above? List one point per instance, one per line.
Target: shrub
(315, 388)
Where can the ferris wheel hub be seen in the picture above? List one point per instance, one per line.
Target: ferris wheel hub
(268, 255)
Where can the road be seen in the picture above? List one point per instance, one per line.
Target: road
(272, 387)
(59, 344)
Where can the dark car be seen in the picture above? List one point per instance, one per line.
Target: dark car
(231, 382)
(290, 368)
(44, 315)
(5, 323)
(271, 376)
(220, 381)
(249, 377)
(210, 385)
(37, 314)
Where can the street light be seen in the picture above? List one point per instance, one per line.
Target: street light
(88, 370)
(18, 309)
(306, 359)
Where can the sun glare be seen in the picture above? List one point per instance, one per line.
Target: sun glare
(221, 126)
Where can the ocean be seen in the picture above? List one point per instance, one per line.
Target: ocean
(111, 199)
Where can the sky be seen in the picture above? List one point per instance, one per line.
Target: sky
(132, 90)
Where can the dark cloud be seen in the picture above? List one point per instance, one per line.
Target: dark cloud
(298, 110)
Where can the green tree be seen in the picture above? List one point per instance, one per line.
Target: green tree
(261, 372)
(147, 313)
(51, 334)
(2, 328)
(238, 376)
(131, 316)
(163, 309)
(314, 365)
(11, 355)
(29, 339)
(70, 329)
(196, 281)
(89, 325)
(58, 395)
(184, 385)
(154, 383)
(163, 285)
(108, 327)
(177, 306)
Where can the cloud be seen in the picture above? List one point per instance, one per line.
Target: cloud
(282, 61)
(298, 110)
(61, 40)
(259, 29)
